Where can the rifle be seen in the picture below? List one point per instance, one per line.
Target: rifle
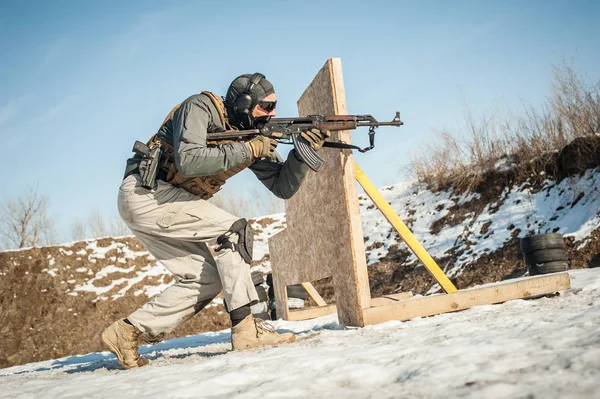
(287, 131)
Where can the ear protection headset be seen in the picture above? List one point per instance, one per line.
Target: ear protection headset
(243, 101)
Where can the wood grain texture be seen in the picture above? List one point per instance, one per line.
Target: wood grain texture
(318, 311)
(311, 313)
(324, 232)
(487, 295)
(386, 300)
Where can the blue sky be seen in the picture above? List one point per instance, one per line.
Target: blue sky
(82, 80)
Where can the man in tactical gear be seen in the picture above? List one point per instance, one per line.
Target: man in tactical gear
(208, 249)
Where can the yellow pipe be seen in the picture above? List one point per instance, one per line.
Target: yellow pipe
(403, 230)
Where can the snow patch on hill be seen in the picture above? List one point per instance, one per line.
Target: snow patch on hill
(571, 207)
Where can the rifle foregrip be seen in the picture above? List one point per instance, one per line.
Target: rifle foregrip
(306, 153)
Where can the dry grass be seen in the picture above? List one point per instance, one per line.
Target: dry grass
(523, 144)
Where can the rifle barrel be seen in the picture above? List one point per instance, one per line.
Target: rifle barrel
(376, 124)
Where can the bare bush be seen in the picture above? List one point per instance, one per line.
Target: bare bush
(97, 225)
(78, 230)
(24, 221)
(520, 142)
(118, 228)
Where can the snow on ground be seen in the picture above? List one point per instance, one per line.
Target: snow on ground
(546, 348)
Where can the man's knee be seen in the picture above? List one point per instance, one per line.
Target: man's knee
(239, 238)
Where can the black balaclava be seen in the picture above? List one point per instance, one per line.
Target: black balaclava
(259, 92)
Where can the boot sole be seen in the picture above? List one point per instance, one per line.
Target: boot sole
(111, 347)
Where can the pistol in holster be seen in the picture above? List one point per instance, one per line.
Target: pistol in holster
(149, 164)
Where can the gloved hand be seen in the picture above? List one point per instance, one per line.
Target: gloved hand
(315, 137)
(262, 146)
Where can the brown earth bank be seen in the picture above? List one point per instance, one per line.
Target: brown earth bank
(41, 321)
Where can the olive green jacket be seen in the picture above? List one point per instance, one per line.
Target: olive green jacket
(187, 130)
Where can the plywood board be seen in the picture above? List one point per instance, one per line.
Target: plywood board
(489, 294)
(324, 232)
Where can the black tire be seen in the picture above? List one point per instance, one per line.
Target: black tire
(550, 267)
(542, 241)
(264, 316)
(297, 291)
(545, 256)
(262, 294)
(257, 278)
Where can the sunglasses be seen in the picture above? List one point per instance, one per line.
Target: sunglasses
(267, 106)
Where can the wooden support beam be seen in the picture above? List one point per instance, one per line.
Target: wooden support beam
(387, 299)
(404, 231)
(311, 313)
(464, 299)
(314, 294)
(319, 311)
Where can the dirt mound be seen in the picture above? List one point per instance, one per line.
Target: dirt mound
(55, 301)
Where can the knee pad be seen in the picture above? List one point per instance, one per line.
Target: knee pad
(245, 239)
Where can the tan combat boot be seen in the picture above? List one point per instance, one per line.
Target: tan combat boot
(122, 339)
(253, 333)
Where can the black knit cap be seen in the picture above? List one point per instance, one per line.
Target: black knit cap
(258, 92)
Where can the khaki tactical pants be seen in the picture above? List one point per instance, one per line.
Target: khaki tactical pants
(179, 229)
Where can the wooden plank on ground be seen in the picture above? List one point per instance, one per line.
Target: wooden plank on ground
(311, 313)
(464, 299)
(387, 299)
(318, 311)
(324, 236)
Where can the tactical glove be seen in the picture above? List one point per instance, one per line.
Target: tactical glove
(315, 137)
(262, 146)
